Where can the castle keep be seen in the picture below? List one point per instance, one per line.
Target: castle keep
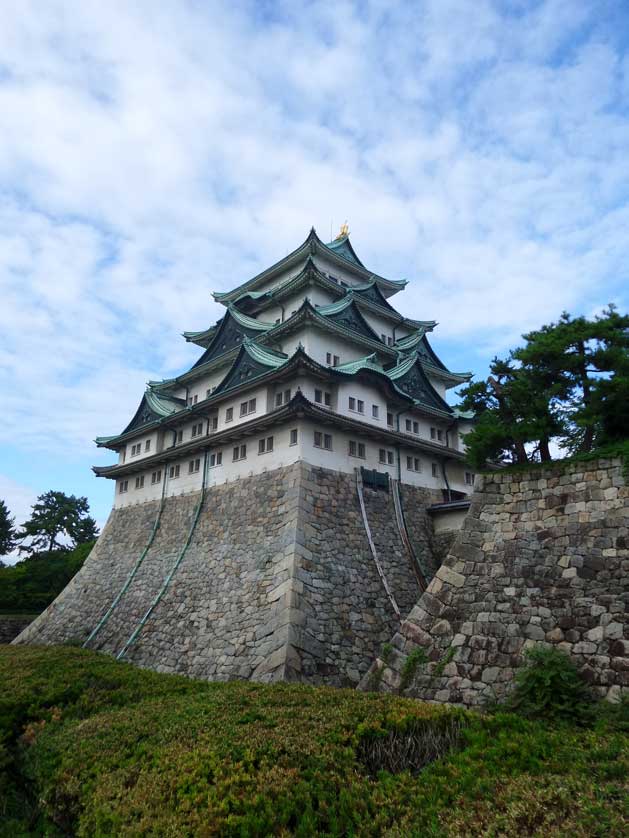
(271, 509)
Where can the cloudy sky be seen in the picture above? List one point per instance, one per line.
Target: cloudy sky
(153, 152)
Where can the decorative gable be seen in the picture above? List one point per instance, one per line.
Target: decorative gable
(229, 335)
(350, 318)
(417, 386)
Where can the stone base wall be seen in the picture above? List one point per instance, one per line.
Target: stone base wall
(542, 558)
(278, 581)
(12, 624)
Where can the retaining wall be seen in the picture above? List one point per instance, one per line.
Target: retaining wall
(542, 558)
(278, 581)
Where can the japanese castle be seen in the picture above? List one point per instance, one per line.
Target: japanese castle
(309, 362)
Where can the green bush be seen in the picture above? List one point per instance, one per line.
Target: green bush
(32, 584)
(549, 686)
(93, 747)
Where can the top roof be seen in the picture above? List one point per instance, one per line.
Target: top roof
(339, 251)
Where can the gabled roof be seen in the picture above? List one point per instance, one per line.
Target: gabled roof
(232, 329)
(346, 313)
(410, 377)
(418, 344)
(341, 252)
(252, 361)
(152, 408)
(308, 275)
(343, 247)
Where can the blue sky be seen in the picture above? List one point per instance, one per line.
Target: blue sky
(151, 153)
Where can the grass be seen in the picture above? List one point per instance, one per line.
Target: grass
(92, 747)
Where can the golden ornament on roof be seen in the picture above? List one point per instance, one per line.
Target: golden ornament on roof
(344, 231)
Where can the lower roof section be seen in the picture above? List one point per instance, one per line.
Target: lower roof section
(298, 408)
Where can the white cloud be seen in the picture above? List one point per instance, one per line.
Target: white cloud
(151, 153)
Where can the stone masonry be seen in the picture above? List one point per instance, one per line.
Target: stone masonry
(278, 581)
(543, 558)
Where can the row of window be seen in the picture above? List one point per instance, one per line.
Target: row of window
(387, 339)
(137, 449)
(265, 445)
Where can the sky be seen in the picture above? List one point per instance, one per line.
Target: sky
(151, 153)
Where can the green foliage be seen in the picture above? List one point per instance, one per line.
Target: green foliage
(55, 515)
(31, 585)
(568, 384)
(549, 686)
(93, 747)
(8, 537)
(415, 659)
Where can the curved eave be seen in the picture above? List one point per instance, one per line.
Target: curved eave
(299, 407)
(299, 252)
(202, 338)
(452, 379)
(306, 312)
(311, 245)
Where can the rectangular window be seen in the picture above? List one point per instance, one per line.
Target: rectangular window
(413, 464)
(360, 406)
(278, 400)
(293, 437)
(389, 341)
(194, 466)
(135, 449)
(415, 427)
(435, 470)
(327, 399)
(409, 425)
(214, 423)
(178, 437)
(318, 396)
(265, 445)
(390, 420)
(156, 476)
(197, 430)
(409, 463)
(174, 472)
(469, 478)
(252, 405)
(433, 433)
(390, 458)
(417, 463)
(216, 459)
(439, 434)
(123, 486)
(352, 403)
(375, 411)
(240, 453)
(382, 455)
(327, 442)
(139, 482)
(384, 338)
(318, 439)
(335, 360)
(229, 414)
(147, 445)
(243, 408)
(328, 358)
(357, 449)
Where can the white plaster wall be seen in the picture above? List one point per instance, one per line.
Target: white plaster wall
(369, 395)
(425, 424)
(142, 439)
(283, 454)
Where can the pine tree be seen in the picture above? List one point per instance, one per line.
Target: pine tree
(54, 516)
(8, 536)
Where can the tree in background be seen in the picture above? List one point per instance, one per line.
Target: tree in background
(8, 535)
(568, 385)
(57, 515)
